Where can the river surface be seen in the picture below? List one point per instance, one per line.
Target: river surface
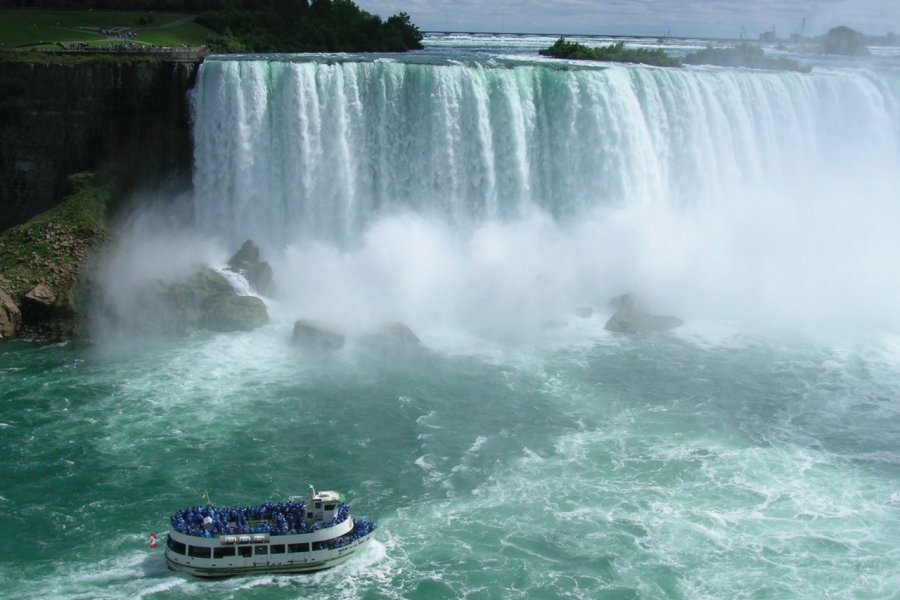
(487, 198)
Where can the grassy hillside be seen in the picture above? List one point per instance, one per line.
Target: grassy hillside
(20, 28)
(53, 249)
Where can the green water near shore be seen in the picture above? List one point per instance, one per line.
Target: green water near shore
(691, 466)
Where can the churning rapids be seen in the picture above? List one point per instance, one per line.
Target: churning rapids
(481, 196)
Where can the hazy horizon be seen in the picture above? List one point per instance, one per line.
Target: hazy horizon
(676, 18)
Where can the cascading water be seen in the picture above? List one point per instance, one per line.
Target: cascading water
(732, 193)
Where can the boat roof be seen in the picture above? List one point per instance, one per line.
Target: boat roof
(329, 496)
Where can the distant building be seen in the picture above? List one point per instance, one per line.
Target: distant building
(768, 37)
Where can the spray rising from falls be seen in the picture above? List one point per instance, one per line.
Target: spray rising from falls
(465, 187)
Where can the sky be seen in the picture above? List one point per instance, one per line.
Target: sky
(679, 18)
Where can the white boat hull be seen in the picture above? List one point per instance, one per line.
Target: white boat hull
(181, 555)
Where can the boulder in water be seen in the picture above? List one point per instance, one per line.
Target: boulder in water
(206, 300)
(225, 313)
(10, 316)
(393, 334)
(315, 335)
(246, 257)
(261, 278)
(632, 317)
(258, 273)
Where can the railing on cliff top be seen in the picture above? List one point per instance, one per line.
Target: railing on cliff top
(186, 53)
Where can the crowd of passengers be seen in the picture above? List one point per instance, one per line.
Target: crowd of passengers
(274, 518)
(361, 529)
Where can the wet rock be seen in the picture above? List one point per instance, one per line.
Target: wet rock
(187, 300)
(246, 257)
(393, 334)
(316, 335)
(632, 317)
(234, 313)
(206, 300)
(10, 316)
(261, 278)
(258, 273)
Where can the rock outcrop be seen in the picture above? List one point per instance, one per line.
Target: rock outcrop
(40, 298)
(316, 335)
(394, 334)
(234, 313)
(261, 278)
(247, 256)
(206, 300)
(45, 264)
(631, 317)
(258, 273)
(58, 119)
(10, 316)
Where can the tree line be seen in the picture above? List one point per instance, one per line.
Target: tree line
(272, 25)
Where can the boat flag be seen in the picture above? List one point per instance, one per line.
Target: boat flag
(205, 496)
(152, 540)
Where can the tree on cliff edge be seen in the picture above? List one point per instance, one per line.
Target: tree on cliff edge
(843, 40)
(302, 26)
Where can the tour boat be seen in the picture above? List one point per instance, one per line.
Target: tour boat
(299, 536)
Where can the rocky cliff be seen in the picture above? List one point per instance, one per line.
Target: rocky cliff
(131, 117)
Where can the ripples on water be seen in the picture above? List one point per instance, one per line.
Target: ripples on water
(649, 467)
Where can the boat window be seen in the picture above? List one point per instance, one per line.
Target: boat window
(246, 551)
(318, 505)
(304, 547)
(176, 546)
(199, 551)
(309, 516)
(319, 546)
(276, 549)
(223, 552)
(262, 550)
(329, 507)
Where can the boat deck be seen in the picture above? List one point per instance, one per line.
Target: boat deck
(281, 518)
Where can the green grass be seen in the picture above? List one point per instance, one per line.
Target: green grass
(26, 27)
(47, 247)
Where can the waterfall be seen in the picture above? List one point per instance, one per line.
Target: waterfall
(287, 147)
(737, 187)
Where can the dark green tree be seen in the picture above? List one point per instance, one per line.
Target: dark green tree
(843, 40)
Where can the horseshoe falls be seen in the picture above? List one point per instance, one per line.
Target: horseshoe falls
(732, 193)
(495, 203)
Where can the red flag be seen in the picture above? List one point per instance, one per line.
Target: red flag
(152, 540)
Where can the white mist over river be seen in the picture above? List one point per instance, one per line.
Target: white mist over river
(481, 196)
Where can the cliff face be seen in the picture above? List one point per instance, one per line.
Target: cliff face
(58, 119)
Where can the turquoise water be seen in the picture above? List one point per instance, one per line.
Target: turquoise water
(593, 466)
(479, 196)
